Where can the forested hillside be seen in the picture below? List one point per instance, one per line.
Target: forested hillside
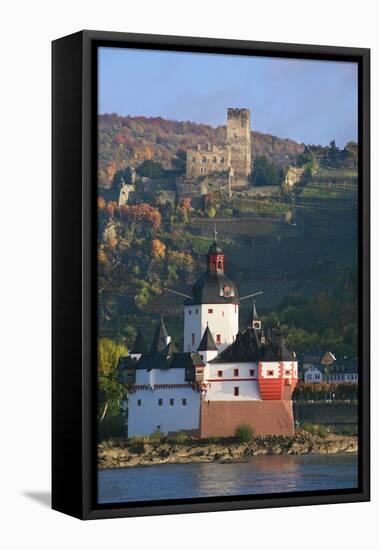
(131, 140)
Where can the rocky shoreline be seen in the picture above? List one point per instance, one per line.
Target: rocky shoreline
(129, 454)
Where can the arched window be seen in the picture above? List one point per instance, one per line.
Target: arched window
(222, 160)
(219, 265)
(203, 160)
(193, 159)
(214, 160)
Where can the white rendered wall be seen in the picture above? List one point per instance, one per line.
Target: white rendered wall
(160, 376)
(289, 367)
(222, 319)
(221, 388)
(208, 355)
(144, 419)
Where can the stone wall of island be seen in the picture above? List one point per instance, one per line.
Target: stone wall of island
(118, 454)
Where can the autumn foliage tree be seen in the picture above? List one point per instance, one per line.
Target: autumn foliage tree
(141, 213)
(158, 249)
(101, 204)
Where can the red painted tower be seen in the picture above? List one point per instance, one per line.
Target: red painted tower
(277, 370)
(215, 259)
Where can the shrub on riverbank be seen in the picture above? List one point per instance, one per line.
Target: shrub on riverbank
(179, 438)
(315, 429)
(244, 432)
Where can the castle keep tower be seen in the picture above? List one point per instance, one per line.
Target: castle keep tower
(238, 139)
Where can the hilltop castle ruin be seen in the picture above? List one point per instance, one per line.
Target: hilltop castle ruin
(232, 160)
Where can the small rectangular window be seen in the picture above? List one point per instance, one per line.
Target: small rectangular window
(197, 311)
(218, 338)
(139, 402)
(219, 373)
(252, 372)
(288, 373)
(160, 402)
(171, 402)
(210, 310)
(193, 338)
(184, 402)
(235, 372)
(189, 312)
(236, 392)
(270, 373)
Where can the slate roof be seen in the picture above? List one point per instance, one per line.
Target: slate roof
(276, 349)
(207, 342)
(161, 356)
(139, 345)
(349, 366)
(246, 347)
(254, 315)
(178, 360)
(126, 363)
(209, 289)
(214, 249)
(186, 359)
(170, 349)
(159, 343)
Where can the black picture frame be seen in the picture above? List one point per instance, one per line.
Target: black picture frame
(74, 151)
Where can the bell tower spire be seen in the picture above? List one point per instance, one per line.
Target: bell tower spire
(255, 320)
(215, 257)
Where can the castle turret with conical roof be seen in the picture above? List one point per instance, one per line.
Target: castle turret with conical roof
(161, 338)
(255, 320)
(139, 347)
(207, 348)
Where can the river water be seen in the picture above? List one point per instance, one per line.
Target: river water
(261, 474)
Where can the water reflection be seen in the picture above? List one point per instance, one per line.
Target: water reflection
(261, 474)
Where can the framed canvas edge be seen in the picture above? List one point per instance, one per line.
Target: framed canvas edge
(87, 458)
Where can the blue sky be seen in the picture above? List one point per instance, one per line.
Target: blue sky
(308, 101)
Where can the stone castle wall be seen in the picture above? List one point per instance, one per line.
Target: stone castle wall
(202, 185)
(233, 158)
(204, 161)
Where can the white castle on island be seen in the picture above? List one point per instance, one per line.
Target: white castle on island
(223, 377)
